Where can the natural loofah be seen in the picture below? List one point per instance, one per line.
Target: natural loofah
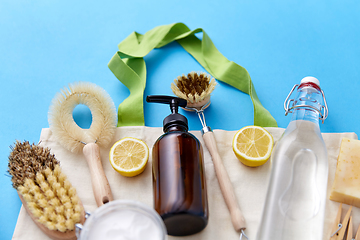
(103, 111)
(48, 194)
(194, 87)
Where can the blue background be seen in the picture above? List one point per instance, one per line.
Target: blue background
(45, 45)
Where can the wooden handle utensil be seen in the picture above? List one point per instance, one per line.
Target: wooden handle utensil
(100, 184)
(226, 187)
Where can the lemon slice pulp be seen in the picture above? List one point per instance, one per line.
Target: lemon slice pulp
(129, 156)
(253, 145)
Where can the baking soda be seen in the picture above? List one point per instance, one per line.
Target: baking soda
(124, 225)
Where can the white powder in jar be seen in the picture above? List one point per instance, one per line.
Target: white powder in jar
(124, 225)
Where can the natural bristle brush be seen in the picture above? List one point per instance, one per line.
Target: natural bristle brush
(76, 139)
(44, 190)
(196, 89)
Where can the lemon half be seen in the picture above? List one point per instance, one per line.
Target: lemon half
(129, 156)
(253, 145)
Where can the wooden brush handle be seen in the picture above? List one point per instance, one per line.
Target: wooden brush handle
(227, 190)
(100, 184)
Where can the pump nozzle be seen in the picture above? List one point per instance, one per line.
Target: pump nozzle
(174, 102)
(174, 118)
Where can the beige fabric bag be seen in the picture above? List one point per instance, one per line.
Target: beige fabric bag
(250, 184)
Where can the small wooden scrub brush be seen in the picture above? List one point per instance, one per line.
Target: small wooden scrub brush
(196, 89)
(46, 193)
(76, 139)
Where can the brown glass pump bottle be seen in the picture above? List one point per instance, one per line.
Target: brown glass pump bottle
(179, 185)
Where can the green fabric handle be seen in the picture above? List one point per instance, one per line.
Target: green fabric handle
(129, 67)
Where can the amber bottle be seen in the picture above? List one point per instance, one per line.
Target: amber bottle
(179, 185)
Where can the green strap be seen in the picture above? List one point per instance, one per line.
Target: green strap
(129, 67)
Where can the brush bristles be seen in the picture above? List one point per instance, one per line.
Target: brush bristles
(52, 200)
(26, 160)
(194, 87)
(104, 117)
(50, 197)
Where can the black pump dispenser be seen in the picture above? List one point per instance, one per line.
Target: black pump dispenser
(178, 174)
(174, 119)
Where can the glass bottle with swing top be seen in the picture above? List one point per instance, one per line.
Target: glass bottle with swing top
(295, 201)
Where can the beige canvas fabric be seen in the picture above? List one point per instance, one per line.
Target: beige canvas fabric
(250, 184)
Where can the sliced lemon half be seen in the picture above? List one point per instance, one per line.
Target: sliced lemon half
(129, 156)
(253, 145)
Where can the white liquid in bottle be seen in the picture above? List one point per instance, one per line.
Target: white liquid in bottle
(295, 202)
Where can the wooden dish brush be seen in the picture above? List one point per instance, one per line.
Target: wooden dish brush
(196, 89)
(76, 139)
(44, 190)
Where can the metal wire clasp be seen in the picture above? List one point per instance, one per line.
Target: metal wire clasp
(200, 113)
(243, 234)
(339, 227)
(79, 226)
(323, 111)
